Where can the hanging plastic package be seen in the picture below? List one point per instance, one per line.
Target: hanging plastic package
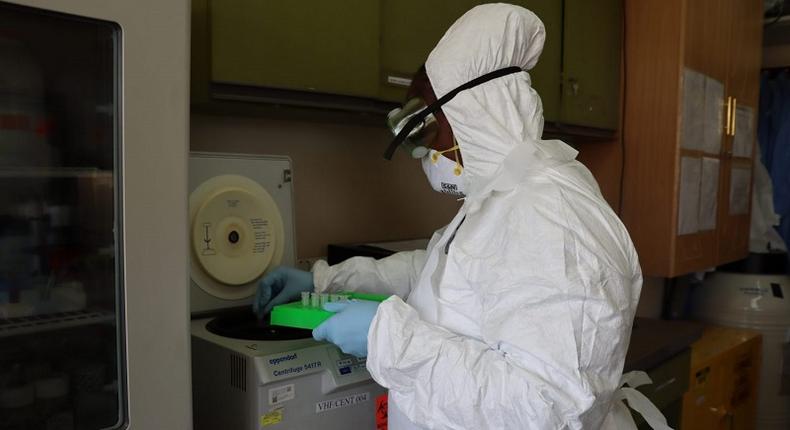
(763, 236)
(774, 139)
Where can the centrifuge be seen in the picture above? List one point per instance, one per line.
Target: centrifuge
(247, 374)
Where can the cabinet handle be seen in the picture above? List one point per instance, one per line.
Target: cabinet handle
(729, 116)
(734, 113)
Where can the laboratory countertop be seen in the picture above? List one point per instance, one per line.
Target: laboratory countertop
(654, 341)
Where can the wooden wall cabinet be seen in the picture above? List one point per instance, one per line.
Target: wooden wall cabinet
(691, 97)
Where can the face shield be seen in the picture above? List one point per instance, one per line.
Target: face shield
(414, 122)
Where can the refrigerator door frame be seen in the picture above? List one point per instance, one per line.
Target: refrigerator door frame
(154, 124)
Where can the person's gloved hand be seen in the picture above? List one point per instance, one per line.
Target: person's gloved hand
(348, 328)
(281, 285)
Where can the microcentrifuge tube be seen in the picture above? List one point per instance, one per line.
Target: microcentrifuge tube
(334, 297)
(305, 298)
(314, 300)
(324, 299)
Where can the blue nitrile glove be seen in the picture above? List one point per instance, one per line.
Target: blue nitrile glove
(348, 328)
(281, 285)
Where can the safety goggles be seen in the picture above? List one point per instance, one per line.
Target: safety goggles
(414, 124)
(421, 135)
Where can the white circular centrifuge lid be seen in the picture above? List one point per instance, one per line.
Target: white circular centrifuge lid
(236, 235)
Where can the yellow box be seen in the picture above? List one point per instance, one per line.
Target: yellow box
(724, 380)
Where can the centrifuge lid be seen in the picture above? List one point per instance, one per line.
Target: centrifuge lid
(245, 325)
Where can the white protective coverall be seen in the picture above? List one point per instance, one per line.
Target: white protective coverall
(519, 313)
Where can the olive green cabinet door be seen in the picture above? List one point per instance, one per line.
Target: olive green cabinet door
(546, 76)
(319, 46)
(409, 31)
(411, 28)
(591, 63)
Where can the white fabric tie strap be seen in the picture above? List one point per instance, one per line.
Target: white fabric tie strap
(637, 401)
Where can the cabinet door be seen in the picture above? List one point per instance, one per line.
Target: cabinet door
(591, 63)
(739, 384)
(411, 28)
(703, 400)
(409, 31)
(547, 74)
(744, 50)
(707, 29)
(703, 91)
(706, 403)
(748, 373)
(326, 47)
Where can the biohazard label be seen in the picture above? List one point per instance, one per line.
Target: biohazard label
(343, 402)
(381, 412)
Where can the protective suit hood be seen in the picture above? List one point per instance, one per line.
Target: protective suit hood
(491, 120)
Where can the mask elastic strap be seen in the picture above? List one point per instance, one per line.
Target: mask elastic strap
(458, 168)
(435, 106)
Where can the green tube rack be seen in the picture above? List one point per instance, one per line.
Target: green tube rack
(308, 313)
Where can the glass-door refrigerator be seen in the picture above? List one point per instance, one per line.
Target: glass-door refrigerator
(93, 266)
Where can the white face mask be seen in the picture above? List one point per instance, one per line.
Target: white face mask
(444, 175)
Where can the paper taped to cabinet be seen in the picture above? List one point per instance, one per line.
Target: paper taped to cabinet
(692, 119)
(709, 193)
(689, 195)
(743, 141)
(714, 116)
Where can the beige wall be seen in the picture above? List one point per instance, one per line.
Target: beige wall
(344, 190)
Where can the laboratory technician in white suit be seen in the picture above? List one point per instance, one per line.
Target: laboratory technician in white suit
(518, 314)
